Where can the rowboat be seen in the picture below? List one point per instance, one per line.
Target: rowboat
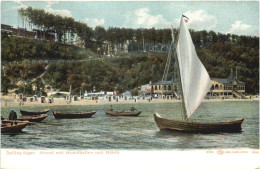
(196, 127)
(33, 118)
(123, 113)
(59, 115)
(10, 126)
(29, 113)
(193, 84)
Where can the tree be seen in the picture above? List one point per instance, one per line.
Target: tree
(5, 83)
(100, 36)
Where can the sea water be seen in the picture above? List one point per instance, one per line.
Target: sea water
(136, 133)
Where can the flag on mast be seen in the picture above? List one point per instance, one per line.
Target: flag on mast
(186, 19)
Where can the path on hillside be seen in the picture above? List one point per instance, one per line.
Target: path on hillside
(43, 81)
(40, 76)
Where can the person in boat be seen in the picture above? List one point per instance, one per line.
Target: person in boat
(133, 109)
(12, 116)
(111, 109)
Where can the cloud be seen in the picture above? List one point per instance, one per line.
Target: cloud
(62, 12)
(94, 22)
(22, 5)
(200, 20)
(240, 28)
(141, 18)
(50, 3)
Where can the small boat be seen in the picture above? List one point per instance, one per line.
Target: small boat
(34, 118)
(193, 85)
(196, 127)
(74, 115)
(29, 113)
(10, 126)
(123, 113)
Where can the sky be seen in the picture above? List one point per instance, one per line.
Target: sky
(235, 17)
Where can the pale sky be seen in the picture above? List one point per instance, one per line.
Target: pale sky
(235, 17)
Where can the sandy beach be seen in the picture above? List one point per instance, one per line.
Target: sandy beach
(8, 101)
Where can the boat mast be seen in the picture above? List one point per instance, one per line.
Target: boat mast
(166, 70)
(179, 74)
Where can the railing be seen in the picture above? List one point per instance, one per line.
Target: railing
(177, 94)
(239, 95)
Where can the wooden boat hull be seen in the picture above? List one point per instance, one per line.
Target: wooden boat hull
(34, 118)
(16, 128)
(195, 127)
(30, 113)
(59, 115)
(118, 113)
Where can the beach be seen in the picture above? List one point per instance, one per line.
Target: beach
(9, 101)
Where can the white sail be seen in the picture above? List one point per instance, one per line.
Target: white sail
(194, 77)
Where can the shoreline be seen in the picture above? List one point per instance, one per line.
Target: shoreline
(7, 101)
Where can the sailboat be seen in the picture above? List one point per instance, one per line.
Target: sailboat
(194, 85)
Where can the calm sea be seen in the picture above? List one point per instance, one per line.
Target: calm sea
(136, 133)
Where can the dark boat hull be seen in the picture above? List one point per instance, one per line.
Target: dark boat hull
(59, 115)
(30, 113)
(16, 128)
(35, 118)
(117, 113)
(195, 127)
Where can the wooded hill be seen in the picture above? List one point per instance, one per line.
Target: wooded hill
(130, 71)
(218, 52)
(18, 49)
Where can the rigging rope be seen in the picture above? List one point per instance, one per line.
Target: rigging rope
(205, 109)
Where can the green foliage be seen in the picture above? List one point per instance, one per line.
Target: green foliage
(66, 28)
(123, 73)
(218, 52)
(134, 92)
(5, 84)
(17, 49)
(219, 58)
(26, 90)
(25, 71)
(42, 19)
(129, 71)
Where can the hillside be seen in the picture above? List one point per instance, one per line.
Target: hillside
(83, 69)
(19, 48)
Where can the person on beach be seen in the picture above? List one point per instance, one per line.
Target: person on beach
(21, 103)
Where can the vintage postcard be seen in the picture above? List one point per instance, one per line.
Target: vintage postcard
(129, 84)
